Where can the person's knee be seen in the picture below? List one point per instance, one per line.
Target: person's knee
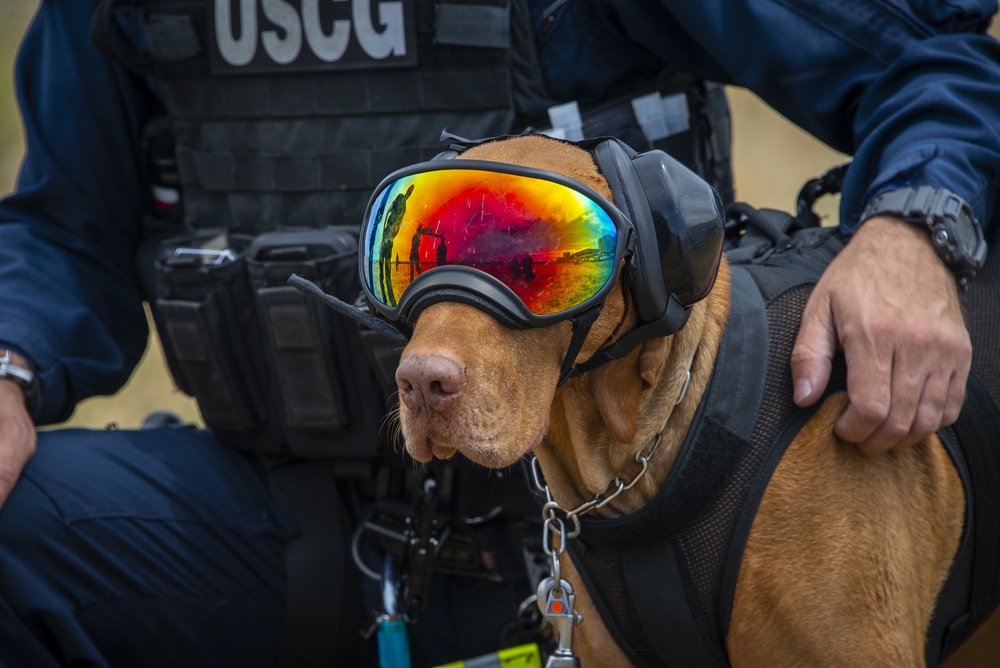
(30, 530)
(107, 530)
(28, 514)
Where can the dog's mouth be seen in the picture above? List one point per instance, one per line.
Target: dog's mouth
(493, 450)
(442, 451)
(425, 449)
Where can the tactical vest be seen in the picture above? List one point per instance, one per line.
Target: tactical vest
(663, 579)
(282, 117)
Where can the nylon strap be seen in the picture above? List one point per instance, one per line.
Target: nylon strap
(581, 328)
(977, 428)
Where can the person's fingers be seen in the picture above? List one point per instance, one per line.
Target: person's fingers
(812, 354)
(956, 396)
(869, 386)
(911, 416)
(930, 411)
(905, 343)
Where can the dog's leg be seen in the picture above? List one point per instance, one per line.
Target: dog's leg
(846, 554)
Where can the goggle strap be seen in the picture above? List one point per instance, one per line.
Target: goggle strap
(359, 315)
(581, 328)
(673, 320)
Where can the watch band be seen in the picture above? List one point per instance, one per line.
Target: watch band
(18, 374)
(920, 205)
(22, 376)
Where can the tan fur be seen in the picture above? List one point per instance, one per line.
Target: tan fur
(866, 542)
(847, 552)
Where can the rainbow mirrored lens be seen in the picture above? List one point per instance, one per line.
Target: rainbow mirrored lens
(550, 244)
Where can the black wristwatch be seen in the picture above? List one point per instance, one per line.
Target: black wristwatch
(24, 378)
(955, 232)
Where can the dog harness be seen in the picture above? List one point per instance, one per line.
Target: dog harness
(664, 578)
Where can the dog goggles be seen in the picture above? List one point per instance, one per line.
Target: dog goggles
(536, 244)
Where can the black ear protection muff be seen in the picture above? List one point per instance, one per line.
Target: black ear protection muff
(679, 222)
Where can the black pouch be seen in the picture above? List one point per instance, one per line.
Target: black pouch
(204, 310)
(272, 371)
(324, 389)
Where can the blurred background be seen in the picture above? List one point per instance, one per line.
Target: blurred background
(772, 159)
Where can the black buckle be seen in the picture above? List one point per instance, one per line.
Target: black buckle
(421, 541)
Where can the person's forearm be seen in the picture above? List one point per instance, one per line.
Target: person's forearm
(71, 227)
(914, 99)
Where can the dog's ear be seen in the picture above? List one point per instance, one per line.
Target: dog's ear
(619, 388)
(653, 360)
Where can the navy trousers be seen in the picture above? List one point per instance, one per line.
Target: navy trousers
(162, 547)
(155, 547)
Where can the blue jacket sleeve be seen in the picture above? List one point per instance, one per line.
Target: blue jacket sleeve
(910, 89)
(69, 232)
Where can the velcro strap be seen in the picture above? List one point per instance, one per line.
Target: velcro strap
(196, 335)
(172, 37)
(312, 399)
(473, 25)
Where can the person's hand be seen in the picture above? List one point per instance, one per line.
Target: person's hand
(17, 436)
(890, 303)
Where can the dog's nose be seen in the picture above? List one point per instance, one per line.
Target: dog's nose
(434, 381)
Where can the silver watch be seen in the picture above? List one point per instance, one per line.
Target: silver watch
(23, 377)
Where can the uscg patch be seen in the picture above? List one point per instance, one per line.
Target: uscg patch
(288, 35)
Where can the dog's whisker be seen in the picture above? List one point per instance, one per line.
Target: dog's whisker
(393, 425)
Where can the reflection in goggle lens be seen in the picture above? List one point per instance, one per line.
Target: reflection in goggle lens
(552, 245)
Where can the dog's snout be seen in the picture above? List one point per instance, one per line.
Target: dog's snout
(434, 381)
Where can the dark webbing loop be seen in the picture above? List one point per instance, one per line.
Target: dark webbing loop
(581, 328)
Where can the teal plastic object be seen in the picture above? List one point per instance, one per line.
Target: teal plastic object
(393, 644)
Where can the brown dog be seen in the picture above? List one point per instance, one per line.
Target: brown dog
(885, 527)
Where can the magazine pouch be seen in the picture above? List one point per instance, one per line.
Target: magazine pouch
(205, 314)
(272, 371)
(323, 388)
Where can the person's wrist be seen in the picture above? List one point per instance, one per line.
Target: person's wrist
(892, 230)
(17, 376)
(894, 242)
(946, 219)
(10, 389)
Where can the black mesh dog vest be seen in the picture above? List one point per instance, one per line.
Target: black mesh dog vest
(664, 577)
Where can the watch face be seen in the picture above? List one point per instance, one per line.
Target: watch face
(965, 226)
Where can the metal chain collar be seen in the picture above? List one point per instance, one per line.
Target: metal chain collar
(553, 523)
(554, 597)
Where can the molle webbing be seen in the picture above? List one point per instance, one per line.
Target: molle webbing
(273, 371)
(704, 147)
(274, 148)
